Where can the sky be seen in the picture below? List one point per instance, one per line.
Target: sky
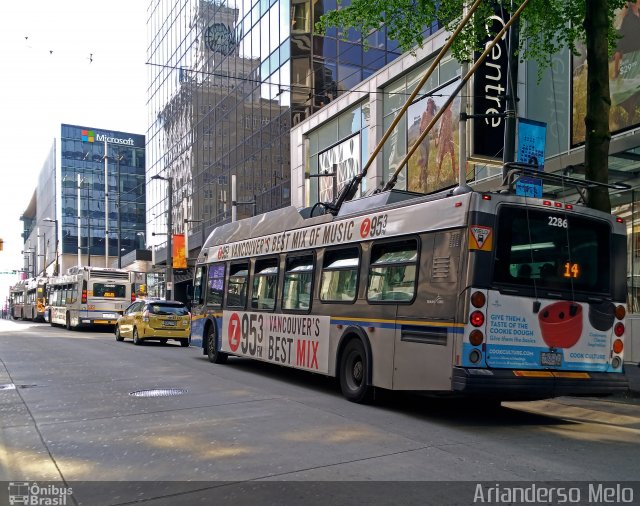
(63, 61)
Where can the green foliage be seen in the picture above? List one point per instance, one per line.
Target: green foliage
(546, 26)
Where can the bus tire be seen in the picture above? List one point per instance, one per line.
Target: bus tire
(354, 372)
(136, 337)
(68, 322)
(118, 335)
(215, 356)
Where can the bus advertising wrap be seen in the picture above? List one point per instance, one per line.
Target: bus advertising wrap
(562, 335)
(300, 341)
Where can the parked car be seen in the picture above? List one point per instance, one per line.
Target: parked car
(155, 320)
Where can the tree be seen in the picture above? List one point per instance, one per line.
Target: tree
(546, 27)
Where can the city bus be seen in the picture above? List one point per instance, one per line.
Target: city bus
(484, 294)
(89, 297)
(35, 299)
(17, 297)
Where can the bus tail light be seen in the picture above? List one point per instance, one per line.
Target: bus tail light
(84, 297)
(618, 329)
(478, 299)
(477, 318)
(475, 356)
(145, 316)
(476, 337)
(620, 312)
(618, 346)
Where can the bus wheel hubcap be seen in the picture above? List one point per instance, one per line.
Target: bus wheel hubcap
(357, 371)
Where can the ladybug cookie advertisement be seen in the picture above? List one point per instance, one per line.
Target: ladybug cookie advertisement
(548, 334)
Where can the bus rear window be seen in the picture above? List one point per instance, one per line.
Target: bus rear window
(109, 290)
(554, 250)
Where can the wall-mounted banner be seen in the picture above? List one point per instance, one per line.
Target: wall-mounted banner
(433, 165)
(624, 78)
(178, 251)
(532, 139)
(489, 86)
(346, 155)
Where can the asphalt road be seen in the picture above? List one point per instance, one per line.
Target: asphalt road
(67, 416)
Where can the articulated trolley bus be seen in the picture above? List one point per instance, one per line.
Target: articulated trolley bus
(481, 294)
(89, 296)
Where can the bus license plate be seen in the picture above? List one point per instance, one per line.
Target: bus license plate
(169, 323)
(550, 359)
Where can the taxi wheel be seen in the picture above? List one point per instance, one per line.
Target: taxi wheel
(184, 343)
(215, 356)
(163, 341)
(136, 337)
(118, 335)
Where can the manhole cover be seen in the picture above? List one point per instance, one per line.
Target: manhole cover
(158, 392)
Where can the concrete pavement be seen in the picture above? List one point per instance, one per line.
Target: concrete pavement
(632, 370)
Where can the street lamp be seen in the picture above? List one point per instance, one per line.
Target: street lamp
(119, 191)
(169, 275)
(144, 239)
(55, 223)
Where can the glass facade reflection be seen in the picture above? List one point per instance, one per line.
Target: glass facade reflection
(82, 183)
(228, 79)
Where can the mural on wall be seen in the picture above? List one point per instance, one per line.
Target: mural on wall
(434, 165)
(624, 77)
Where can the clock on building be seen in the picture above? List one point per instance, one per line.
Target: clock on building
(219, 38)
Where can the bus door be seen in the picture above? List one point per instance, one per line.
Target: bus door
(425, 328)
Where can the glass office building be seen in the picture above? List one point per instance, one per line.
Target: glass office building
(228, 79)
(82, 184)
(71, 201)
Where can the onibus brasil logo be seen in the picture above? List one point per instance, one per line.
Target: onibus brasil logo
(23, 492)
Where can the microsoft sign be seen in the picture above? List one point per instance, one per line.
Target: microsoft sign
(90, 136)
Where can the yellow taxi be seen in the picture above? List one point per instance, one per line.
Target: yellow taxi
(155, 320)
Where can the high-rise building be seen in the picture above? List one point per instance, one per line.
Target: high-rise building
(227, 82)
(73, 214)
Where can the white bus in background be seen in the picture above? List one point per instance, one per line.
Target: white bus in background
(89, 296)
(35, 299)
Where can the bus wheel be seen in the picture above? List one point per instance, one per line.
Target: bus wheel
(353, 372)
(136, 337)
(68, 323)
(118, 335)
(163, 341)
(215, 356)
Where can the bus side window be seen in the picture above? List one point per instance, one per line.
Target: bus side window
(298, 283)
(339, 280)
(237, 286)
(392, 273)
(265, 284)
(215, 284)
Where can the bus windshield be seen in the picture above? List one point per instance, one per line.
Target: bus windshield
(559, 251)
